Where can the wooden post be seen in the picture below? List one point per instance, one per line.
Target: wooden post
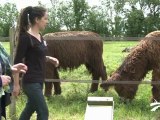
(12, 53)
(99, 108)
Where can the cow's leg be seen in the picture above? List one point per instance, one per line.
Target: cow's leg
(104, 73)
(156, 87)
(52, 73)
(57, 84)
(48, 74)
(94, 86)
(48, 89)
(98, 72)
(95, 76)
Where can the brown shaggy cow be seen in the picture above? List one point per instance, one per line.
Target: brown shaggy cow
(73, 49)
(144, 57)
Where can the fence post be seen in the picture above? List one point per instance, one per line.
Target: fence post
(12, 111)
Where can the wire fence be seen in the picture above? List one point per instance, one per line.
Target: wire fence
(101, 81)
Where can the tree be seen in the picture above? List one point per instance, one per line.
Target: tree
(54, 24)
(135, 22)
(65, 15)
(9, 14)
(112, 18)
(118, 22)
(72, 14)
(152, 21)
(80, 8)
(118, 26)
(96, 21)
(114, 12)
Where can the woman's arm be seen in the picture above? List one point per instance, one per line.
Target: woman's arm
(21, 50)
(16, 86)
(16, 69)
(22, 47)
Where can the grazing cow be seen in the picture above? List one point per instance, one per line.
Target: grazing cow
(73, 49)
(143, 58)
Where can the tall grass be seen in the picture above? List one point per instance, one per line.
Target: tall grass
(71, 104)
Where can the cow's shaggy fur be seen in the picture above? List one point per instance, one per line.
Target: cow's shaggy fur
(73, 49)
(143, 58)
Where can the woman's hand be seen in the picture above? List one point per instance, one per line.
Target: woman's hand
(20, 67)
(5, 80)
(53, 60)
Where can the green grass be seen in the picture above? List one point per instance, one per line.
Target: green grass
(6, 46)
(71, 104)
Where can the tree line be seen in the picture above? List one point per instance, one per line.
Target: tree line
(128, 18)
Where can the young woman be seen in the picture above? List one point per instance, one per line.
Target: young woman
(32, 49)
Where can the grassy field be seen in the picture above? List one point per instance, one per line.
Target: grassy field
(71, 104)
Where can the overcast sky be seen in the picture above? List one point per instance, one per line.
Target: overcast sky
(23, 3)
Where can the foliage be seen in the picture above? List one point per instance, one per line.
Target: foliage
(8, 13)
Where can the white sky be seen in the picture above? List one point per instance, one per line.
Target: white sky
(24, 3)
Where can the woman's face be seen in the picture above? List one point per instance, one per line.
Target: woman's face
(42, 23)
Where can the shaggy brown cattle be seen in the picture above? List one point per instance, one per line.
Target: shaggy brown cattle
(73, 49)
(144, 57)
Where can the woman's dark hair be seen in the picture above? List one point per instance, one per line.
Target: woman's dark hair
(28, 16)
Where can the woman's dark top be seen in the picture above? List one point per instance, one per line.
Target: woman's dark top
(33, 52)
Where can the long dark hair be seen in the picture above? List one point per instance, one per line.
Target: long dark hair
(28, 16)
